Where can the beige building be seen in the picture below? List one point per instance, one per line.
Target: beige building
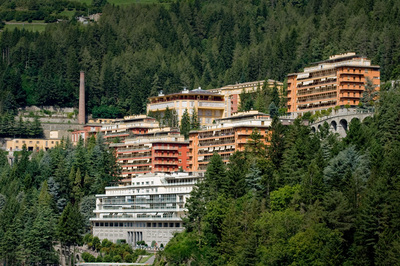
(31, 144)
(232, 93)
(208, 105)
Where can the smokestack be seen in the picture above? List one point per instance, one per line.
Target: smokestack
(82, 114)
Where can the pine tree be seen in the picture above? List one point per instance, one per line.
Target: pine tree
(69, 230)
(185, 124)
(194, 121)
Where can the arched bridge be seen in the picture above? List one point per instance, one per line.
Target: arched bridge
(339, 121)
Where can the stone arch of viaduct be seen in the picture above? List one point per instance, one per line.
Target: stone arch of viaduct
(339, 122)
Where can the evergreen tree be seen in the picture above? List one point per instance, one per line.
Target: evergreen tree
(185, 124)
(69, 230)
(194, 121)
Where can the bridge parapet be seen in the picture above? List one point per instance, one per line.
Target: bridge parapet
(339, 121)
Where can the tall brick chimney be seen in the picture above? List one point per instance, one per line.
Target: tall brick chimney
(82, 112)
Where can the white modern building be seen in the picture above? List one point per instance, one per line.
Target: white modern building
(150, 209)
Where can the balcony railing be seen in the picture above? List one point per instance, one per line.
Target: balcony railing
(212, 104)
(165, 148)
(154, 107)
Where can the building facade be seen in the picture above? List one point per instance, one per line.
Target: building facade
(338, 81)
(225, 137)
(32, 144)
(158, 150)
(232, 93)
(149, 209)
(115, 130)
(208, 105)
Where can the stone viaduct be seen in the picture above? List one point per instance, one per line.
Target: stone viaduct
(339, 121)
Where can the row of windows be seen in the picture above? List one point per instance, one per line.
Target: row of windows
(137, 224)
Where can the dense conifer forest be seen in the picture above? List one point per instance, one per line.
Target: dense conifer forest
(48, 198)
(136, 50)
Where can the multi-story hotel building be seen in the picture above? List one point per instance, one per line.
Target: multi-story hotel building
(149, 209)
(208, 105)
(232, 93)
(115, 129)
(158, 150)
(340, 80)
(225, 137)
(127, 127)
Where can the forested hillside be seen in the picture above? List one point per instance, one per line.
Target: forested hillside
(136, 50)
(306, 199)
(48, 198)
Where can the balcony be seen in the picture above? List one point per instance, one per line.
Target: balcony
(175, 155)
(316, 90)
(219, 105)
(131, 156)
(165, 148)
(161, 106)
(310, 99)
(159, 162)
(222, 133)
(133, 149)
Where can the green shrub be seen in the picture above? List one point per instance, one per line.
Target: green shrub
(117, 258)
(107, 258)
(99, 259)
(87, 257)
(128, 258)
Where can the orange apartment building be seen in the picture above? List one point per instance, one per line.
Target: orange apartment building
(340, 80)
(208, 105)
(232, 93)
(225, 137)
(158, 150)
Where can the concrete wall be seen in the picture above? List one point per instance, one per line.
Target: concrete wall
(339, 121)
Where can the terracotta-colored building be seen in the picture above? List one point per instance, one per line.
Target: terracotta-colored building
(338, 81)
(225, 137)
(159, 150)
